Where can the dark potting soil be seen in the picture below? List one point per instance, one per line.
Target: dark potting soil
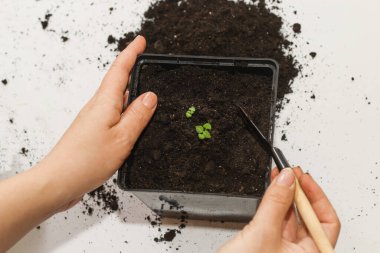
(218, 28)
(169, 155)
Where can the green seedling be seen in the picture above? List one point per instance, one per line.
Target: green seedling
(190, 112)
(204, 131)
(207, 126)
(207, 134)
(199, 129)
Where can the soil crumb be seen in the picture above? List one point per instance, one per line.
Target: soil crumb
(24, 151)
(45, 23)
(313, 54)
(111, 39)
(4, 81)
(297, 28)
(64, 38)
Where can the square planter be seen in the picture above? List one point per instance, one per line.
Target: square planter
(219, 197)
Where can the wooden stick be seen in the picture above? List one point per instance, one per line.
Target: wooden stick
(311, 220)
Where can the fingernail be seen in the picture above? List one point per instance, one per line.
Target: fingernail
(150, 100)
(286, 177)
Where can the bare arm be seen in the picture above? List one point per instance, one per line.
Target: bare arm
(90, 152)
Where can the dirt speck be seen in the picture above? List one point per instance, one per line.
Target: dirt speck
(64, 38)
(313, 54)
(45, 22)
(24, 151)
(297, 28)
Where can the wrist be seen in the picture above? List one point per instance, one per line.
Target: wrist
(50, 187)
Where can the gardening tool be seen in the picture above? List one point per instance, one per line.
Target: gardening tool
(303, 206)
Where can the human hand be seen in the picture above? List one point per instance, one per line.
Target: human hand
(102, 135)
(274, 229)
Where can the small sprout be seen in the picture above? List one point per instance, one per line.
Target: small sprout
(207, 134)
(199, 129)
(207, 126)
(192, 109)
(190, 112)
(204, 131)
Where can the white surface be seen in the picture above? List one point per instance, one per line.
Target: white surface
(335, 136)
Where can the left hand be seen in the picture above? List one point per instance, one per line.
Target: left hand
(89, 153)
(102, 135)
(274, 229)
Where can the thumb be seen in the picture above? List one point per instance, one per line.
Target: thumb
(276, 202)
(137, 115)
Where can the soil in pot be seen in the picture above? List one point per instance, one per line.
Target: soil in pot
(170, 156)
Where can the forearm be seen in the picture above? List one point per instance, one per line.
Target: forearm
(26, 200)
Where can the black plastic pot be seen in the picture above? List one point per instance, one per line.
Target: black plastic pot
(198, 205)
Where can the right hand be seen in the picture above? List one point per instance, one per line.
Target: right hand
(274, 229)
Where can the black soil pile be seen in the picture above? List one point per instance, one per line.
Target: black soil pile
(170, 156)
(218, 28)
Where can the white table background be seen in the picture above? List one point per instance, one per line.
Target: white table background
(335, 136)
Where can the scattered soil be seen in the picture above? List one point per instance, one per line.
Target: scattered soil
(45, 23)
(111, 39)
(313, 96)
(104, 197)
(313, 54)
(231, 161)
(218, 28)
(297, 28)
(64, 38)
(4, 81)
(169, 234)
(24, 151)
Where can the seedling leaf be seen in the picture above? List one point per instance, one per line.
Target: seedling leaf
(207, 126)
(206, 134)
(201, 136)
(188, 115)
(192, 109)
(199, 129)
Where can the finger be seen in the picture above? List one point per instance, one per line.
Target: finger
(136, 116)
(116, 79)
(298, 171)
(274, 174)
(290, 226)
(322, 207)
(276, 202)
